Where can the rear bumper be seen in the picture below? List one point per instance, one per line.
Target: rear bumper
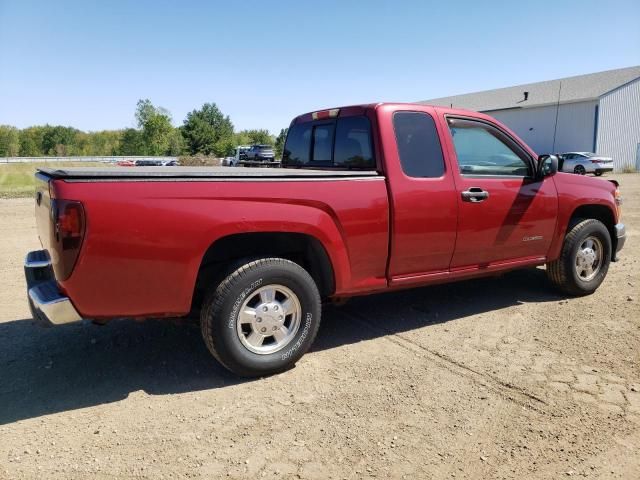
(603, 169)
(47, 304)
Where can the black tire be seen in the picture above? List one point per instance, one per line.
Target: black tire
(579, 170)
(562, 272)
(220, 310)
(598, 174)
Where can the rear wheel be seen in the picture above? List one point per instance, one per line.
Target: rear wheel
(579, 169)
(598, 174)
(584, 260)
(262, 318)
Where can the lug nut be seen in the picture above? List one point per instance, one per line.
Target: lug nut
(259, 319)
(275, 328)
(263, 329)
(280, 317)
(276, 307)
(264, 309)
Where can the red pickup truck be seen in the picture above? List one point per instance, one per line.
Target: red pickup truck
(370, 198)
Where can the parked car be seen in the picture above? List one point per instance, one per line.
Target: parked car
(148, 163)
(586, 162)
(125, 163)
(261, 153)
(371, 198)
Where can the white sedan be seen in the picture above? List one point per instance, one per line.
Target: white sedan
(585, 162)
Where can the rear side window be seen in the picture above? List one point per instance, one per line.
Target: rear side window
(298, 146)
(418, 145)
(353, 143)
(341, 143)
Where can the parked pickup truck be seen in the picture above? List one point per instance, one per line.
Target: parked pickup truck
(371, 198)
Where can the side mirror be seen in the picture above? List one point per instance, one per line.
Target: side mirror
(547, 166)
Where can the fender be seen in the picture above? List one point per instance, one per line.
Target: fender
(579, 192)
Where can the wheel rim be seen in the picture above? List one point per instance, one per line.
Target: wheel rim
(580, 170)
(589, 258)
(269, 319)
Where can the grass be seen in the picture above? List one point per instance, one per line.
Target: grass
(17, 179)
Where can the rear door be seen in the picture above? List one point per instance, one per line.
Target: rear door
(505, 214)
(422, 194)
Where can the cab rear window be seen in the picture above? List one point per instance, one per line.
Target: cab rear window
(340, 143)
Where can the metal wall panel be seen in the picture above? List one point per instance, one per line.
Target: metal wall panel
(619, 126)
(575, 130)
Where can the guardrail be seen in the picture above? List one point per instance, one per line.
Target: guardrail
(103, 159)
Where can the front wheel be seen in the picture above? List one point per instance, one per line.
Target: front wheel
(262, 318)
(584, 260)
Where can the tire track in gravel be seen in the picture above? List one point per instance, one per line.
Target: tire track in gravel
(506, 390)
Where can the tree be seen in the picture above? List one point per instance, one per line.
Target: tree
(58, 140)
(176, 143)
(31, 142)
(253, 137)
(207, 131)
(155, 123)
(9, 141)
(131, 142)
(280, 139)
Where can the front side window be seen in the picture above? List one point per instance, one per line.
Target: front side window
(418, 145)
(484, 150)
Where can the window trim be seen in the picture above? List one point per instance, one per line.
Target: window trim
(435, 124)
(512, 143)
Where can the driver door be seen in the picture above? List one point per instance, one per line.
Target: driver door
(505, 214)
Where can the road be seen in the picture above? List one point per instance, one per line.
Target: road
(492, 378)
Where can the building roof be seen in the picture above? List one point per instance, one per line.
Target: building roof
(571, 89)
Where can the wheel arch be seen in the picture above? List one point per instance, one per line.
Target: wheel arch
(600, 212)
(226, 252)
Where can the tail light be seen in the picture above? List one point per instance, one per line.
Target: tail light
(596, 161)
(69, 223)
(322, 114)
(618, 198)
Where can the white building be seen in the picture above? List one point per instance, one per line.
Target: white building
(598, 112)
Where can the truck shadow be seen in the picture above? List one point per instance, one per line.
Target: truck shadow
(50, 370)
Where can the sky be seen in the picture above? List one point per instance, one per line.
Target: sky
(86, 63)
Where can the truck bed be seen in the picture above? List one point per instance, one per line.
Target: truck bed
(202, 173)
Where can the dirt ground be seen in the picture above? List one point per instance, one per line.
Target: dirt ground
(493, 378)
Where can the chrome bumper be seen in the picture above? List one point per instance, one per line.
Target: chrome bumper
(47, 304)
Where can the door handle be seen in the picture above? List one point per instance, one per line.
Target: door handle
(475, 195)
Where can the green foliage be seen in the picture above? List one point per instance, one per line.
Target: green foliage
(18, 179)
(31, 142)
(207, 131)
(131, 142)
(9, 141)
(155, 123)
(253, 137)
(280, 139)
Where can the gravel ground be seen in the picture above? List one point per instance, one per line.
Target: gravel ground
(492, 378)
